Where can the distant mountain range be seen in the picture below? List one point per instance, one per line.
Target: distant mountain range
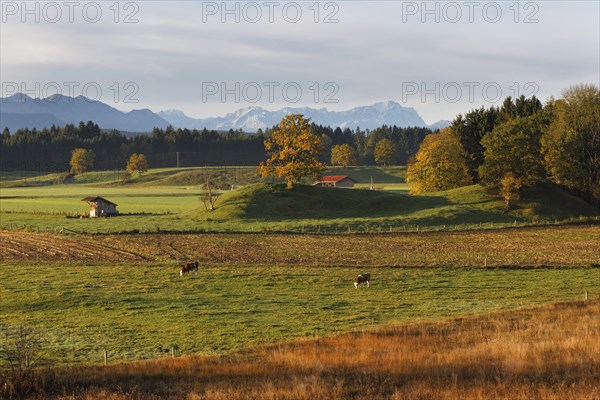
(21, 111)
(250, 119)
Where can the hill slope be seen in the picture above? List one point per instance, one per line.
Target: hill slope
(471, 204)
(275, 202)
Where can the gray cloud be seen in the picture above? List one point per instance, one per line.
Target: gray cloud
(371, 54)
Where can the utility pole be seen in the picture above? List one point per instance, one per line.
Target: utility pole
(177, 159)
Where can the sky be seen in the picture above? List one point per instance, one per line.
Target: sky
(210, 58)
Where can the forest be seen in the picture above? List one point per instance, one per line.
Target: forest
(49, 150)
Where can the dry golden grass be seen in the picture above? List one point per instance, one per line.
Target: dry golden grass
(549, 352)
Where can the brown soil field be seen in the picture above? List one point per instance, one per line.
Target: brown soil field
(575, 245)
(27, 246)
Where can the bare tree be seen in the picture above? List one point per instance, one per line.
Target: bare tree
(207, 196)
(21, 351)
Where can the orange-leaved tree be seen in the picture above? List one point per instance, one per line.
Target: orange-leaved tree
(293, 151)
(439, 164)
(137, 162)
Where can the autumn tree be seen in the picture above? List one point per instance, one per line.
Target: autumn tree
(82, 160)
(571, 145)
(439, 164)
(385, 152)
(293, 151)
(514, 147)
(509, 189)
(344, 155)
(137, 162)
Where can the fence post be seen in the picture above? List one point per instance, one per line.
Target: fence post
(105, 358)
(172, 352)
(586, 295)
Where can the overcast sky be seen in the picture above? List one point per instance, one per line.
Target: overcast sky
(182, 54)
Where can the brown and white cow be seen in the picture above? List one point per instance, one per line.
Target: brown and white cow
(189, 267)
(363, 278)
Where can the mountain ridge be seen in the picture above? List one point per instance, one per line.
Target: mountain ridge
(73, 110)
(250, 119)
(21, 111)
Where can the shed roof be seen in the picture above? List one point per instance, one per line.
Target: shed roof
(335, 178)
(96, 199)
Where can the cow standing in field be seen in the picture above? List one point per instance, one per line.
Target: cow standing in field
(363, 278)
(189, 267)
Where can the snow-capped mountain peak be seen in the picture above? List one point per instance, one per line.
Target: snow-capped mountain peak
(21, 111)
(250, 119)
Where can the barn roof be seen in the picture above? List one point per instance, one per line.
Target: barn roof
(335, 178)
(95, 199)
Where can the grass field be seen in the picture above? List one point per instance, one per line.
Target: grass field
(141, 311)
(194, 176)
(168, 201)
(123, 294)
(431, 257)
(66, 199)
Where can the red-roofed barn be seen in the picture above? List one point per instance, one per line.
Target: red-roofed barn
(337, 181)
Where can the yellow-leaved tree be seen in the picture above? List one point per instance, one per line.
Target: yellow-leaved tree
(293, 151)
(82, 160)
(344, 155)
(439, 164)
(385, 152)
(509, 188)
(137, 162)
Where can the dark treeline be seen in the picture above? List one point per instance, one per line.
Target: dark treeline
(49, 150)
(407, 141)
(475, 124)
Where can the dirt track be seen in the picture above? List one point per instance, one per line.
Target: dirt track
(28, 246)
(543, 246)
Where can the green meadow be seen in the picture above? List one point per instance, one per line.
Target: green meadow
(168, 200)
(144, 310)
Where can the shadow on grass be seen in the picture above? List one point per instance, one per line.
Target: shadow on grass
(276, 203)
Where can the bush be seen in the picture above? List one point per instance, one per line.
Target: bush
(21, 353)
